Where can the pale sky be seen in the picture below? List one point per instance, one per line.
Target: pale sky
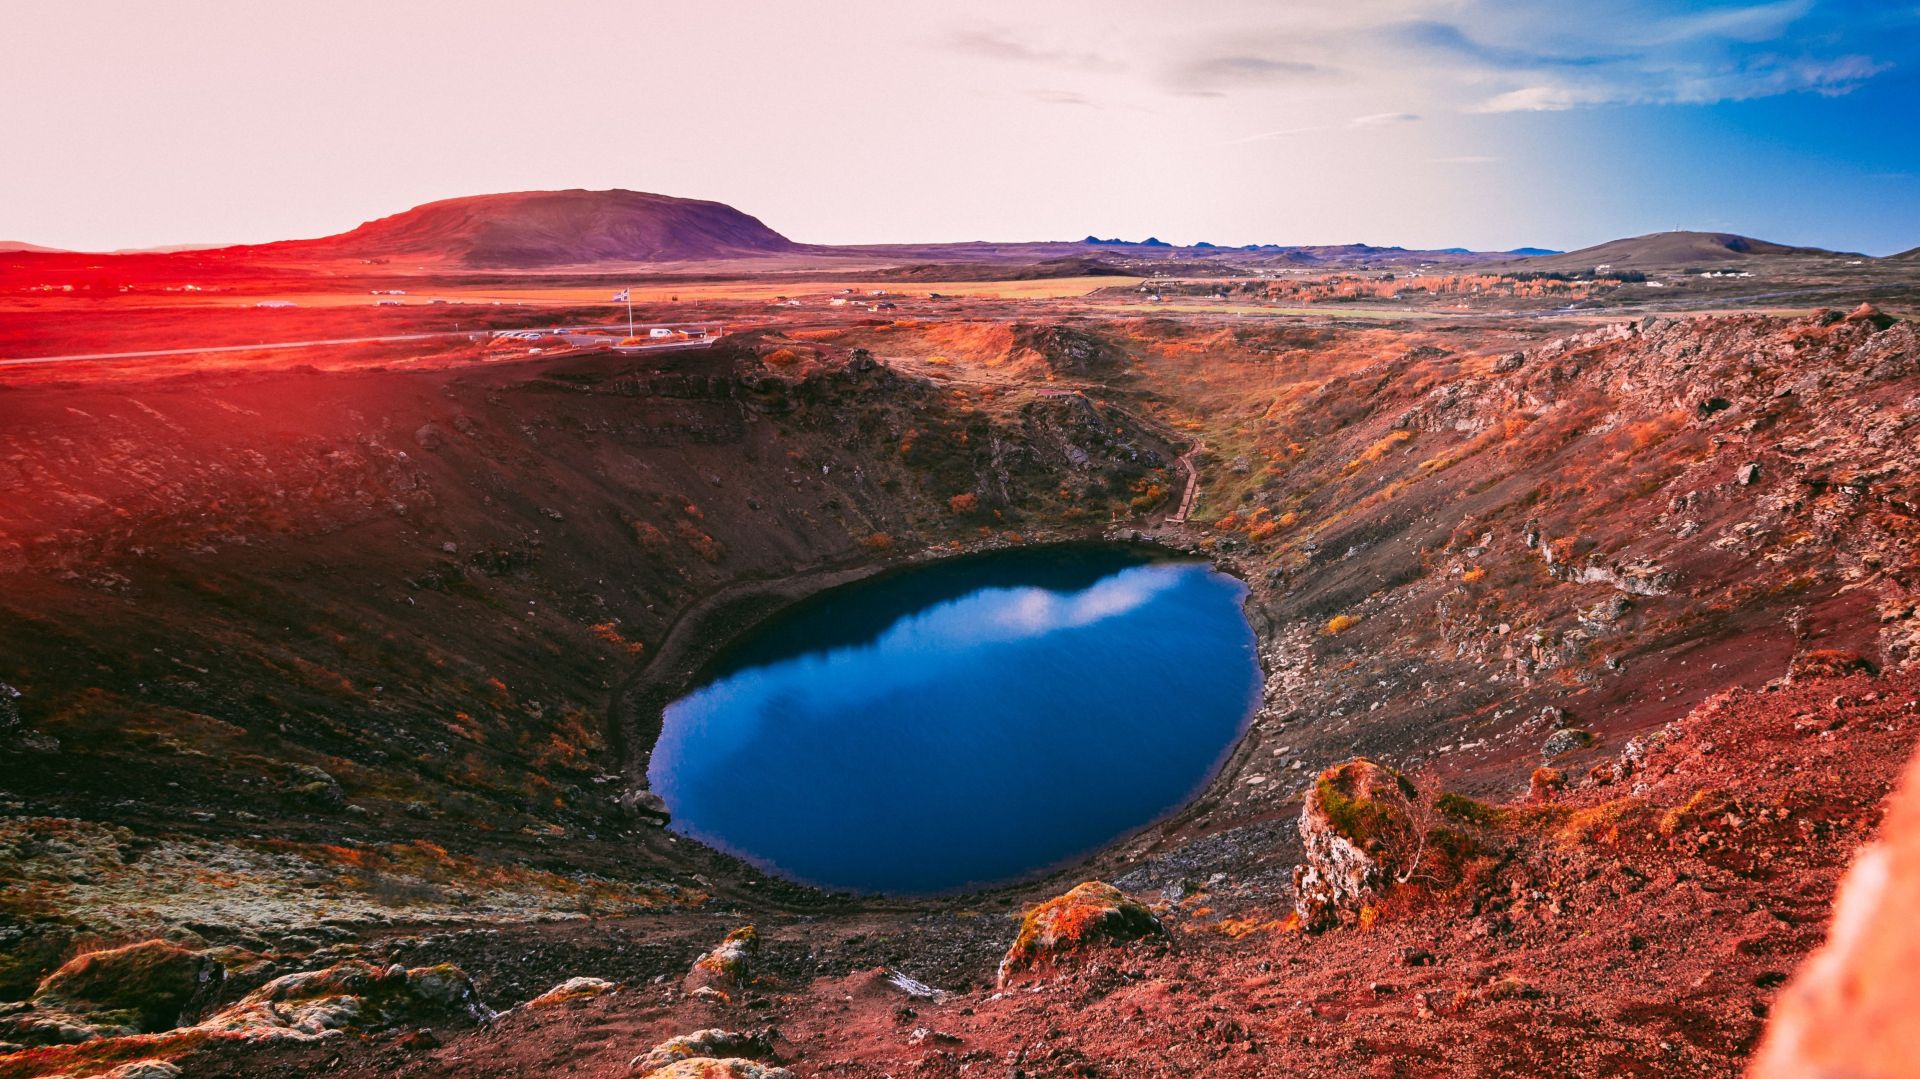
(1483, 123)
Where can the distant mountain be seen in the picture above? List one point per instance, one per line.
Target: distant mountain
(1907, 256)
(1673, 249)
(1526, 252)
(20, 246)
(531, 229)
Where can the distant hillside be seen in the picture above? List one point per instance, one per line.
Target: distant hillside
(530, 229)
(1671, 249)
(18, 246)
(1044, 269)
(1912, 255)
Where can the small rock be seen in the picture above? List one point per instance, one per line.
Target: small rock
(712, 1043)
(573, 989)
(1564, 741)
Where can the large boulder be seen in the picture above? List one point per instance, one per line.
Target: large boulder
(713, 1044)
(351, 995)
(1849, 1011)
(1361, 834)
(1092, 913)
(137, 989)
(573, 989)
(1565, 741)
(729, 966)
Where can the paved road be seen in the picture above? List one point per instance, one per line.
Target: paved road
(201, 350)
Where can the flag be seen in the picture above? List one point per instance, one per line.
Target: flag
(621, 296)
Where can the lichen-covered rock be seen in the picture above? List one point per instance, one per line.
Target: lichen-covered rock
(352, 995)
(1545, 783)
(728, 966)
(1092, 913)
(1849, 1012)
(138, 989)
(711, 1068)
(145, 1069)
(1360, 834)
(571, 990)
(1565, 741)
(315, 786)
(711, 1044)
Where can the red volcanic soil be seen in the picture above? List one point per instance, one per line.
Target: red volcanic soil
(130, 327)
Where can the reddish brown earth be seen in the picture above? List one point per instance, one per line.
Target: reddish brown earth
(1637, 928)
(353, 657)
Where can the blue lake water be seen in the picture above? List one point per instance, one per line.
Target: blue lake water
(964, 723)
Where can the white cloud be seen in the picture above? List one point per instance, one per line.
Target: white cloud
(1475, 56)
(1382, 119)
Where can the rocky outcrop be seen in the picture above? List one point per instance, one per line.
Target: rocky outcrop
(1091, 914)
(1359, 830)
(1565, 741)
(729, 966)
(138, 989)
(713, 1052)
(1072, 352)
(144, 1069)
(573, 989)
(1848, 1013)
(351, 995)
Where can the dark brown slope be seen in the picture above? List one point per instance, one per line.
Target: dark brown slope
(1671, 249)
(530, 229)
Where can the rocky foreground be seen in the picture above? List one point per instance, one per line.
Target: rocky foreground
(1640, 919)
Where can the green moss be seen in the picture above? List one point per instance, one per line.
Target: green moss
(1362, 820)
(1462, 808)
(145, 986)
(1093, 912)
